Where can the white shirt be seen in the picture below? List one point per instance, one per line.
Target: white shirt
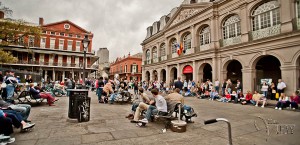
(281, 85)
(161, 104)
(217, 83)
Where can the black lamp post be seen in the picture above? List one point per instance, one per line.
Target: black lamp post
(85, 44)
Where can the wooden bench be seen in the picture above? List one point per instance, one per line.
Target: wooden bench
(172, 107)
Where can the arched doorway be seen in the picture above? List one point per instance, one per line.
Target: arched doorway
(188, 73)
(163, 75)
(154, 75)
(173, 74)
(234, 71)
(267, 70)
(147, 76)
(205, 72)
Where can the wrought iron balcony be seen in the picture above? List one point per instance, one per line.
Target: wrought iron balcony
(266, 32)
(231, 41)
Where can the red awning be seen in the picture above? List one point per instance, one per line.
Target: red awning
(188, 69)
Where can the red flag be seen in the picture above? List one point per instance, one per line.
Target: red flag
(181, 48)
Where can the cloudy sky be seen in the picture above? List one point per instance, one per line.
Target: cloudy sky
(119, 25)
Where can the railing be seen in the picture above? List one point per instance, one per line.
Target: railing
(155, 60)
(266, 32)
(204, 47)
(43, 63)
(163, 58)
(231, 41)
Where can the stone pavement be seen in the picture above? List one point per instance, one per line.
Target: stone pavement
(108, 125)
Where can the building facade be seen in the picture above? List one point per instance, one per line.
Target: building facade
(103, 62)
(249, 40)
(129, 67)
(57, 54)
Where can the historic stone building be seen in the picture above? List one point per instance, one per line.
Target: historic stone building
(249, 40)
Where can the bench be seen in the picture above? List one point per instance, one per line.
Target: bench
(26, 97)
(172, 107)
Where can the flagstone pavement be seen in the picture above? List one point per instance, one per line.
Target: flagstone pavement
(108, 125)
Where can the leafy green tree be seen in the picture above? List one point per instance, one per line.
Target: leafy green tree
(6, 57)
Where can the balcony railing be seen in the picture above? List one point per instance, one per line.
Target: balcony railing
(204, 47)
(231, 41)
(266, 32)
(163, 58)
(43, 63)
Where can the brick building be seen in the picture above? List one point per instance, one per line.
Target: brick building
(58, 54)
(129, 68)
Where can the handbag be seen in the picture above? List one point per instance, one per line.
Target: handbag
(277, 96)
(3, 85)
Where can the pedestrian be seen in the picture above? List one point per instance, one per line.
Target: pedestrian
(217, 85)
(280, 86)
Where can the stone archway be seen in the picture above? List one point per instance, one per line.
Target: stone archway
(163, 75)
(267, 69)
(173, 74)
(234, 71)
(147, 76)
(154, 75)
(205, 72)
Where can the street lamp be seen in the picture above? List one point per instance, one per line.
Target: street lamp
(85, 44)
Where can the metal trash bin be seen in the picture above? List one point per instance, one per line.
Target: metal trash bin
(83, 109)
(75, 96)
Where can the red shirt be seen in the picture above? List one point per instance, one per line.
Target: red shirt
(249, 97)
(295, 99)
(228, 96)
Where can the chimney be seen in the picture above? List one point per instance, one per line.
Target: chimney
(1, 15)
(41, 21)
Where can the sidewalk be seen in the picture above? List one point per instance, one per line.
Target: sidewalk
(108, 125)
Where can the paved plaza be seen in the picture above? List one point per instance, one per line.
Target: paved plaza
(108, 125)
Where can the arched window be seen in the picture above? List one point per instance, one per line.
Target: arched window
(173, 46)
(154, 53)
(232, 27)
(187, 41)
(163, 49)
(205, 36)
(148, 55)
(266, 15)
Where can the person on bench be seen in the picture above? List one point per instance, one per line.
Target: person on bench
(160, 108)
(257, 98)
(144, 98)
(37, 95)
(24, 109)
(175, 96)
(16, 119)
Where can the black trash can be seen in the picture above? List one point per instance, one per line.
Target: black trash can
(74, 101)
(83, 109)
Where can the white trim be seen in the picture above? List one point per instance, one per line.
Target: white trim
(68, 46)
(52, 46)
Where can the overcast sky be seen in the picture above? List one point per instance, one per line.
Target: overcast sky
(119, 25)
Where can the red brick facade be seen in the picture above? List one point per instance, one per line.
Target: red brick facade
(129, 68)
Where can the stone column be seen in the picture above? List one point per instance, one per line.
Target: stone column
(143, 74)
(151, 75)
(248, 79)
(63, 75)
(46, 75)
(214, 35)
(73, 75)
(245, 21)
(167, 75)
(158, 51)
(168, 52)
(286, 11)
(289, 76)
(179, 71)
(193, 38)
(195, 75)
(53, 75)
(158, 75)
(214, 69)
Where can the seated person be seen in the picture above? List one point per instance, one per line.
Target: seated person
(37, 94)
(205, 95)
(247, 99)
(24, 109)
(295, 100)
(283, 102)
(160, 107)
(175, 96)
(226, 98)
(16, 119)
(213, 95)
(107, 89)
(143, 98)
(257, 98)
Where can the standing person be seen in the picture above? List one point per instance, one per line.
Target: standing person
(224, 84)
(10, 86)
(264, 89)
(178, 84)
(29, 79)
(273, 91)
(280, 86)
(217, 85)
(100, 89)
(229, 86)
(135, 87)
(185, 85)
(239, 87)
(69, 86)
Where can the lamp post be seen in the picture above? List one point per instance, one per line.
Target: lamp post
(85, 44)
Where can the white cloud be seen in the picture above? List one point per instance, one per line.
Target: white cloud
(119, 25)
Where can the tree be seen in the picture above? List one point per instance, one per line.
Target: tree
(15, 32)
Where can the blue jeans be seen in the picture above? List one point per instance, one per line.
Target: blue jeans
(10, 91)
(217, 88)
(24, 109)
(134, 106)
(223, 91)
(253, 102)
(229, 90)
(151, 110)
(265, 93)
(112, 97)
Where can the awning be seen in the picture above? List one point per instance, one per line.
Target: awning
(188, 69)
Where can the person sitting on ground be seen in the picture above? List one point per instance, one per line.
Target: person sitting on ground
(247, 99)
(205, 95)
(257, 98)
(283, 102)
(107, 89)
(213, 95)
(295, 100)
(24, 109)
(143, 98)
(239, 96)
(37, 94)
(226, 98)
(234, 97)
